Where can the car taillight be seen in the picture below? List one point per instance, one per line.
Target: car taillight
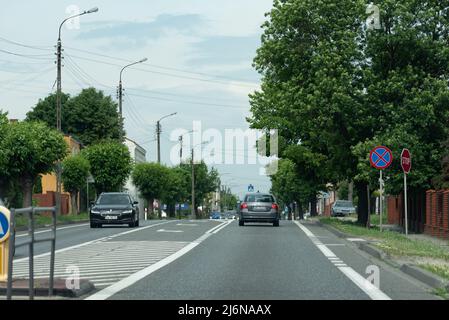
(243, 206)
(275, 206)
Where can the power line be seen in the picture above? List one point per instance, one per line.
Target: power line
(43, 48)
(166, 74)
(29, 56)
(160, 67)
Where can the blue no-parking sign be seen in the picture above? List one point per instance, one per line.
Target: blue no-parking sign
(4, 226)
(381, 157)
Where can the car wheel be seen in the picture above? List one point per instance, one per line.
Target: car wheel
(137, 223)
(276, 223)
(241, 223)
(93, 225)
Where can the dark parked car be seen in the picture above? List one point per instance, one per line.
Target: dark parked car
(342, 208)
(114, 208)
(259, 207)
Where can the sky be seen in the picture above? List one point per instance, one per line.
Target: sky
(199, 52)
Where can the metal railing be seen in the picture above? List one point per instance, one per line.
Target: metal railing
(30, 212)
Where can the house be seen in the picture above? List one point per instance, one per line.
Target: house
(48, 196)
(138, 155)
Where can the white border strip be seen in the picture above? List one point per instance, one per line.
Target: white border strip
(93, 241)
(132, 279)
(371, 290)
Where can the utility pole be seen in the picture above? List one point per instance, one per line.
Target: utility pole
(193, 187)
(158, 134)
(59, 103)
(120, 95)
(180, 149)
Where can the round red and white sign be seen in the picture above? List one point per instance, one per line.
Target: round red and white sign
(406, 160)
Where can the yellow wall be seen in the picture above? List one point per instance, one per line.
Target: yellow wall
(49, 180)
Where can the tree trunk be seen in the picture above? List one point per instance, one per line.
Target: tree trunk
(351, 191)
(150, 207)
(27, 183)
(290, 217)
(362, 204)
(313, 211)
(73, 203)
(300, 210)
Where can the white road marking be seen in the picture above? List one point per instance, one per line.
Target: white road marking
(187, 224)
(169, 231)
(94, 241)
(125, 283)
(222, 227)
(216, 227)
(111, 263)
(366, 286)
(57, 229)
(356, 240)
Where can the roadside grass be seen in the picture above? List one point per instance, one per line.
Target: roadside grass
(393, 243)
(44, 220)
(375, 219)
(441, 270)
(441, 292)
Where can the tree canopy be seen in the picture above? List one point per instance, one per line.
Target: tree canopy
(90, 116)
(110, 165)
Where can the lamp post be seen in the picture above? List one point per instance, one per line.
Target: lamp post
(120, 92)
(58, 101)
(158, 134)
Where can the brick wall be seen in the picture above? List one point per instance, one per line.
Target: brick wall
(437, 213)
(49, 200)
(394, 209)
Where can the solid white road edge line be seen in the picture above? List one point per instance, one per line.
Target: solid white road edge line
(222, 227)
(57, 229)
(126, 282)
(371, 290)
(93, 241)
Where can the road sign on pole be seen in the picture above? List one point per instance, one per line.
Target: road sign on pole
(250, 188)
(4, 242)
(406, 164)
(381, 158)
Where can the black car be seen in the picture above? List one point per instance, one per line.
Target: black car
(114, 208)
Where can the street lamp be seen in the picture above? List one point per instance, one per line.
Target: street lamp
(158, 134)
(58, 101)
(120, 90)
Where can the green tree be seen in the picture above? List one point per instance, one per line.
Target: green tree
(75, 170)
(90, 116)
(33, 148)
(110, 165)
(176, 189)
(151, 179)
(206, 181)
(45, 111)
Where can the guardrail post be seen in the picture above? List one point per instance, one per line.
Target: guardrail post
(52, 257)
(31, 252)
(12, 244)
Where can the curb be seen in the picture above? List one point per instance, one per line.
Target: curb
(425, 276)
(85, 287)
(413, 271)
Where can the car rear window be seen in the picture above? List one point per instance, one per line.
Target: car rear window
(259, 198)
(344, 204)
(113, 199)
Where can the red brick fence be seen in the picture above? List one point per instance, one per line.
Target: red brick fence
(437, 213)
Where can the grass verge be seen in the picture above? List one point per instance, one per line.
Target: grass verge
(399, 246)
(44, 220)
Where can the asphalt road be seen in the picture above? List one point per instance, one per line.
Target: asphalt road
(214, 260)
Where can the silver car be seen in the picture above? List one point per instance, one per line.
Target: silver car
(342, 208)
(259, 207)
